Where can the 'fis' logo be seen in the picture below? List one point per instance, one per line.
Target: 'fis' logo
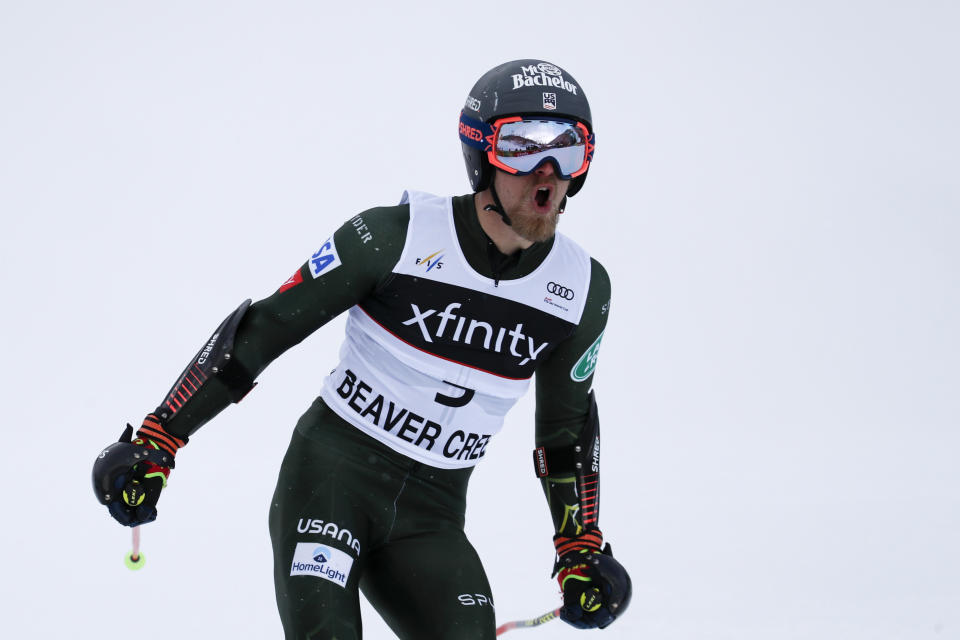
(542, 75)
(432, 260)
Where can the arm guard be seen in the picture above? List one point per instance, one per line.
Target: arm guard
(556, 465)
(213, 361)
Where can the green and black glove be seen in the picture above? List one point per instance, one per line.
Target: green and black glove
(596, 588)
(129, 474)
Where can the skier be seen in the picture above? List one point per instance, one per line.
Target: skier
(453, 305)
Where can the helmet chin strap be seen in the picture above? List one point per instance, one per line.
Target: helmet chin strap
(497, 207)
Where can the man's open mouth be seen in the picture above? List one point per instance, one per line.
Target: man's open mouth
(542, 196)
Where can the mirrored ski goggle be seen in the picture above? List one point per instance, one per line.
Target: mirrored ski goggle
(519, 145)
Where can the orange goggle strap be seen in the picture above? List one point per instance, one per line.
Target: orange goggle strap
(589, 540)
(480, 135)
(154, 432)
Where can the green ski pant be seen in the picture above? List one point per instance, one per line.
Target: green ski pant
(348, 515)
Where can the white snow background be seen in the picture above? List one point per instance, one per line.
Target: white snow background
(775, 195)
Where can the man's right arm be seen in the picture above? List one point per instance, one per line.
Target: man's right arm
(129, 475)
(345, 269)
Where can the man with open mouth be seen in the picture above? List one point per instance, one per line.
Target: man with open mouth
(453, 305)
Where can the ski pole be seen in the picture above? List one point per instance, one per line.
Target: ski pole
(522, 624)
(134, 560)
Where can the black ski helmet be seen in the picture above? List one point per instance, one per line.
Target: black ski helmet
(522, 88)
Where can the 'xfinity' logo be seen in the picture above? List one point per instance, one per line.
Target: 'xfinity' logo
(542, 75)
(493, 338)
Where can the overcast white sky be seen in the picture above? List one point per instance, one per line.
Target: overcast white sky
(775, 195)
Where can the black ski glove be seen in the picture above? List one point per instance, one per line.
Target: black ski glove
(128, 477)
(596, 588)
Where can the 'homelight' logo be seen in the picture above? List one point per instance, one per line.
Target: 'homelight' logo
(321, 561)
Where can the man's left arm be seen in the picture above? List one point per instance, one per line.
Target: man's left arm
(596, 588)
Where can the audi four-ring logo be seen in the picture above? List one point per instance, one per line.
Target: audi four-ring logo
(560, 290)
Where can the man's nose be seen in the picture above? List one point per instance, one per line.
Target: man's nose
(545, 169)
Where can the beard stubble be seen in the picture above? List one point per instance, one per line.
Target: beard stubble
(535, 227)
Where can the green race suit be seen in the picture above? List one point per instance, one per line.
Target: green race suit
(371, 493)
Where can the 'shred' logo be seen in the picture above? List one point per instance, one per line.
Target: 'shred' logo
(470, 132)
